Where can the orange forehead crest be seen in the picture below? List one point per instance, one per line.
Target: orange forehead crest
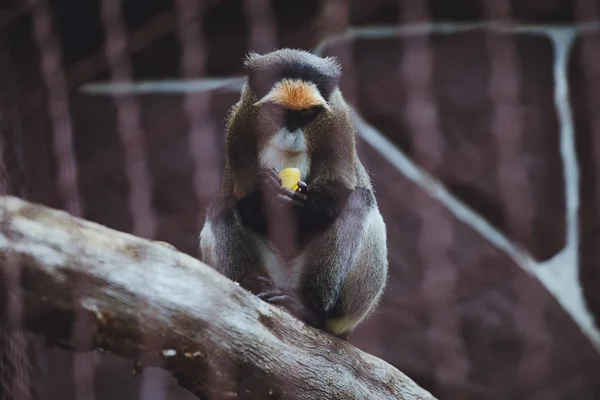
(294, 95)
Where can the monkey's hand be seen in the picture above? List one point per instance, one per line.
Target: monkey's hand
(278, 197)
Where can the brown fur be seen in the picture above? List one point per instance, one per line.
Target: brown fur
(344, 269)
(295, 95)
(330, 137)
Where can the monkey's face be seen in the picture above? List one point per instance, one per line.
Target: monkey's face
(292, 111)
(290, 129)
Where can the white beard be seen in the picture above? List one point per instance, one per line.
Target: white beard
(277, 153)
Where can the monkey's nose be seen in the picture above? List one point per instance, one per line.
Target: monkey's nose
(294, 136)
(291, 141)
(293, 126)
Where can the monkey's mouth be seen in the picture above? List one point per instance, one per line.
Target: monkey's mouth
(289, 143)
(291, 154)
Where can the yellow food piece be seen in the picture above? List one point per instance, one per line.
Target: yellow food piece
(290, 178)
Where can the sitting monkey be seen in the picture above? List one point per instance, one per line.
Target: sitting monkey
(332, 269)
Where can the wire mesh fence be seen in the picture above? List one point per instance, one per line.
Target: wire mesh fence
(480, 138)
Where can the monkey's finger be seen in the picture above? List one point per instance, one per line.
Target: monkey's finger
(283, 199)
(295, 195)
(302, 187)
(272, 183)
(269, 183)
(271, 293)
(270, 298)
(300, 196)
(279, 300)
(290, 193)
(260, 279)
(290, 199)
(273, 173)
(267, 173)
(279, 297)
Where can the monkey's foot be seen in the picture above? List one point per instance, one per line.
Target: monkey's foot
(256, 284)
(284, 299)
(291, 303)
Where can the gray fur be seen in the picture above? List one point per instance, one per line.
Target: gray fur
(327, 66)
(345, 267)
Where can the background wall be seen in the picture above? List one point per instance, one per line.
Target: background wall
(480, 136)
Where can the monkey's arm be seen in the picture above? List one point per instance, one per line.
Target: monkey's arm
(250, 210)
(347, 270)
(262, 195)
(315, 207)
(319, 209)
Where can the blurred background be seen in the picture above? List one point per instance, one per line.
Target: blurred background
(476, 119)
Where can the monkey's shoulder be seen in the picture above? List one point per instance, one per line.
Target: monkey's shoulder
(359, 198)
(365, 196)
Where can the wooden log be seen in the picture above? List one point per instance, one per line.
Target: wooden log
(219, 340)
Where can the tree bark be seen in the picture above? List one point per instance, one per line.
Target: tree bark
(84, 286)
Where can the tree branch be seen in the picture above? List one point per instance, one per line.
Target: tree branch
(217, 339)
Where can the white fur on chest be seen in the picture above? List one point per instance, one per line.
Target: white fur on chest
(287, 150)
(282, 275)
(272, 157)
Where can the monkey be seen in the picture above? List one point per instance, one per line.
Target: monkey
(291, 113)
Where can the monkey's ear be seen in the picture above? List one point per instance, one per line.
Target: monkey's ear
(335, 66)
(251, 61)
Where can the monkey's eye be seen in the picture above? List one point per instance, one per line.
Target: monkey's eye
(274, 109)
(309, 112)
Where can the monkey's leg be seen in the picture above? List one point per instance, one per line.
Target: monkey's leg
(266, 211)
(364, 280)
(343, 270)
(228, 248)
(347, 272)
(264, 197)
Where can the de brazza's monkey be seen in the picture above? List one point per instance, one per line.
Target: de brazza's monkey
(292, 114)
